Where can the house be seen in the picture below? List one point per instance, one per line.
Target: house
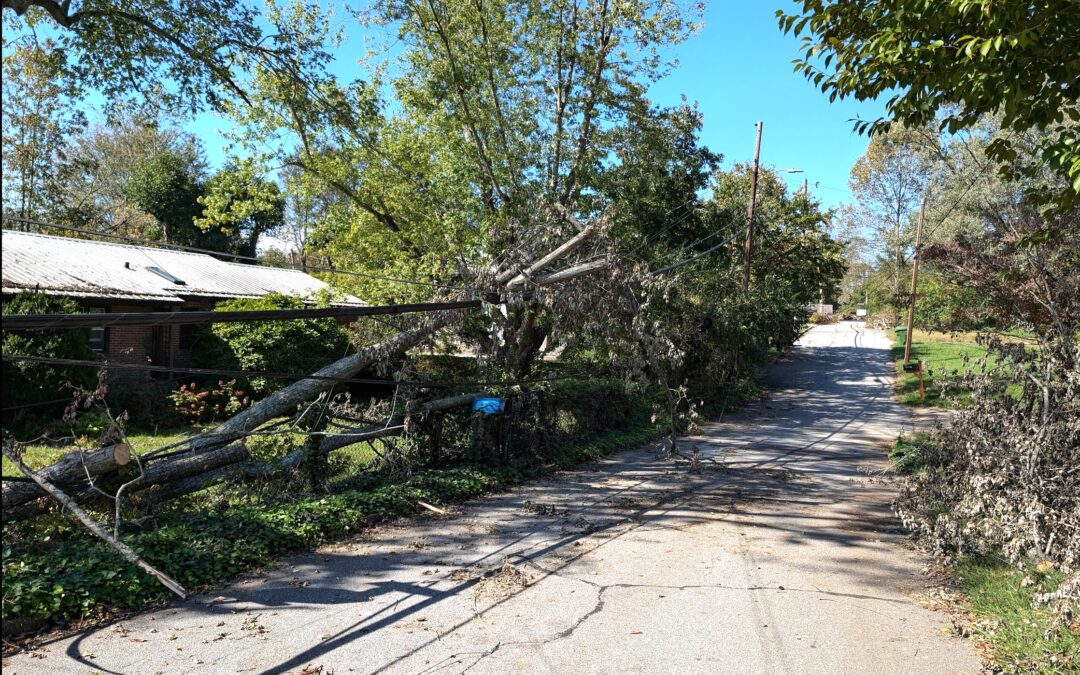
(107, 277)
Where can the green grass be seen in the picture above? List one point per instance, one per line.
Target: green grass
(41, 455)
(906, 453)
(1014, 632)
(934, 350)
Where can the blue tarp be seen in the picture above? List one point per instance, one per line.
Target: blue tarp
(489, 406)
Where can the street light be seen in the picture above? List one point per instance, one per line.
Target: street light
(806, 182)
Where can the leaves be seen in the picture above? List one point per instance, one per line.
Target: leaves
(959, 58)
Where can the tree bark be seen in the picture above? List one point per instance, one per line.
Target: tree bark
(74, 467)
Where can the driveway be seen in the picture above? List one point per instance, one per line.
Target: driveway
(783, 556)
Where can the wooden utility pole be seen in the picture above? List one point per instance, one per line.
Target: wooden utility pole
(914, 281)
(748, 245)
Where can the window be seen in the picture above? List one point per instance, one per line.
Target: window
(99, 335)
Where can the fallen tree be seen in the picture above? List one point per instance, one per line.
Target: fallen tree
(220, 453)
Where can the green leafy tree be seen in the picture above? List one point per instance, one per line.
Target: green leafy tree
(475, 155)
(39, 121)
(165, 186)
(103, 161)
(167, 53)
(301, 346)
(793, 249)
(655, 183)
(241, 204)
(888, 182)
(32, 383)
(963, 58)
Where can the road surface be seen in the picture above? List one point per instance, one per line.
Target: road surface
(782, 558)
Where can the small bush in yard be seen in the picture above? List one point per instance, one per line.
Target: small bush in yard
(32, 383)
(202, 404)
(301, 346)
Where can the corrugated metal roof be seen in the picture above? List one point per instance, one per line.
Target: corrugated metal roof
(96, 269)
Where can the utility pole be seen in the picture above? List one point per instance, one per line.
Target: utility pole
(914, 281)
(806, 187)
(748, 245)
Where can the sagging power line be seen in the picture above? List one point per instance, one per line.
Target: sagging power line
(695, 258)
(107, 320)
(219, 372)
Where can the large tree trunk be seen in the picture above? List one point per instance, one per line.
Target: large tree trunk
(74, 467)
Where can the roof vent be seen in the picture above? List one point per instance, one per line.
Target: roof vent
(168, 277)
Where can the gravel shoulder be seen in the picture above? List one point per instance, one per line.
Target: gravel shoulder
(781, 555)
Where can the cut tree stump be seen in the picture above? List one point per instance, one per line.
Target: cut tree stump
(73, 468)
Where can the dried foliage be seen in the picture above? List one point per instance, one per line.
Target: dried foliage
(1004, 475)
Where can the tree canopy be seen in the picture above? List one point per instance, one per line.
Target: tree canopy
(962, 58)
(172, 53)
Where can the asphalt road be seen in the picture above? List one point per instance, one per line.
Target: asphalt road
(783, 557)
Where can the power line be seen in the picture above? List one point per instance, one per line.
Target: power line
(224, 254)
(36, 405)
(105, 320)
(655, 236)
(699, 241)
(692, 259)
(148, 367)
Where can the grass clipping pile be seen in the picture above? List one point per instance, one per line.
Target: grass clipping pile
(1003, 477)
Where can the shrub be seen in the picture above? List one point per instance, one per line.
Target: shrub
(301, 346)
(32, 383)
(197, 404)
(997, 478)
(146, 402)
(823, 318)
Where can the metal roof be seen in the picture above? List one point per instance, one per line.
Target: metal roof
(97, 269)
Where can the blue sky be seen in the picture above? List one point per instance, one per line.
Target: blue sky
(738, 68)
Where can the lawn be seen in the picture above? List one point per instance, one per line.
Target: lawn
(934, 350)
(1019, 637)
(40, 455)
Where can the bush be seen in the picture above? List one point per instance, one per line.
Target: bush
(883, 320)
(197, 404)
(996, 479)
(146, 402)
(301, 346)
(943, 306)
(33, 383)
(823, 318)
(907, 454)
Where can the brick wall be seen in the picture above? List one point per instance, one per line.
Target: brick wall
(129, 344)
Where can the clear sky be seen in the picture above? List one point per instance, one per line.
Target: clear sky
(738, 68)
